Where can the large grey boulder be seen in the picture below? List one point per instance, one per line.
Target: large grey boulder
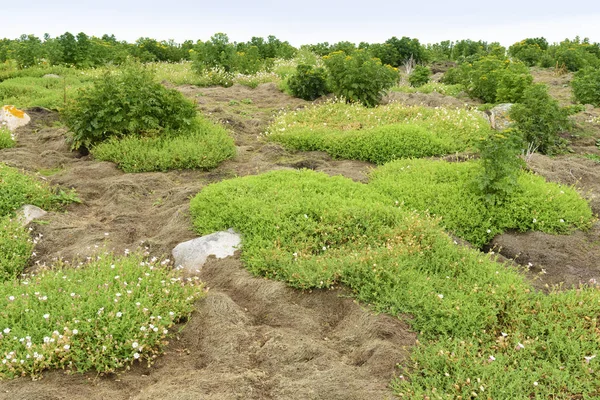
(192, 255)
(28, 213)
(499, 116)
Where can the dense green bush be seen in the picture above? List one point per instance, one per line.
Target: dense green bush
(586, 86)
(495, 80)
(419, 76)
(540, 118)
(126, 102)
(500, 165)
(203, 146)
(575, 54)
(359, 77)
(476, 318)
(103, 316)
(530, 51)
(446, 191)
(308, 82)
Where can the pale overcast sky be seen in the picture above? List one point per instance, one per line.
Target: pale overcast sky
(307, 21)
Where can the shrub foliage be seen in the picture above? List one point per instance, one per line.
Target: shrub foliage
(126, 102)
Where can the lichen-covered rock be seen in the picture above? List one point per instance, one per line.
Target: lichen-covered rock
(13, 118)
(499, 116)
(29, 213)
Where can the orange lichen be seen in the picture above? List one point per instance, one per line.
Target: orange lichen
(14, 111)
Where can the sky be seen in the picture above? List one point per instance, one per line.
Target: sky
(307, 21)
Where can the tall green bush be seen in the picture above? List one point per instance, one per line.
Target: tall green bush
(495, 80)
(359, 77)
(126, 102)
(540, 118)
(419, 76)
(308, 82)
(500, 165)
(586, 86)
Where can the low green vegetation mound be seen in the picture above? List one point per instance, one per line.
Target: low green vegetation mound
(16, 190)
(381, 134)
(6, 139)
(203, 146)
(15, 248)
(100, 316)
(449, 191)
(482, 327)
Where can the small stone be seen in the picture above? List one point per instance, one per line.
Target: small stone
(51, 76)
(28, 213)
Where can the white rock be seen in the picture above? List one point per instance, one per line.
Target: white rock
(51, 76)
(12, 118)
(192, 255)
(28, 213)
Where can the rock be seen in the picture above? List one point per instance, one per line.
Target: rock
(499, 119)
(28, 213)
(12, 118)
(192, 255)
(51, 76)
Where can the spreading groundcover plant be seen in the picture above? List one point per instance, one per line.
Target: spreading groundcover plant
(99, 316)
(379, 134)
(483, 330)
(16, 190)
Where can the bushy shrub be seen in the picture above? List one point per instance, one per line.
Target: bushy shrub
(359, 77)
(215, 53)
(419, 76)
(308, 82)
(454, 76)
(575, 54)
(586, 86)
(530, 51)
(540, 118)
(126, 102)
(494, 80)
(202, 146)
(500, 165)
